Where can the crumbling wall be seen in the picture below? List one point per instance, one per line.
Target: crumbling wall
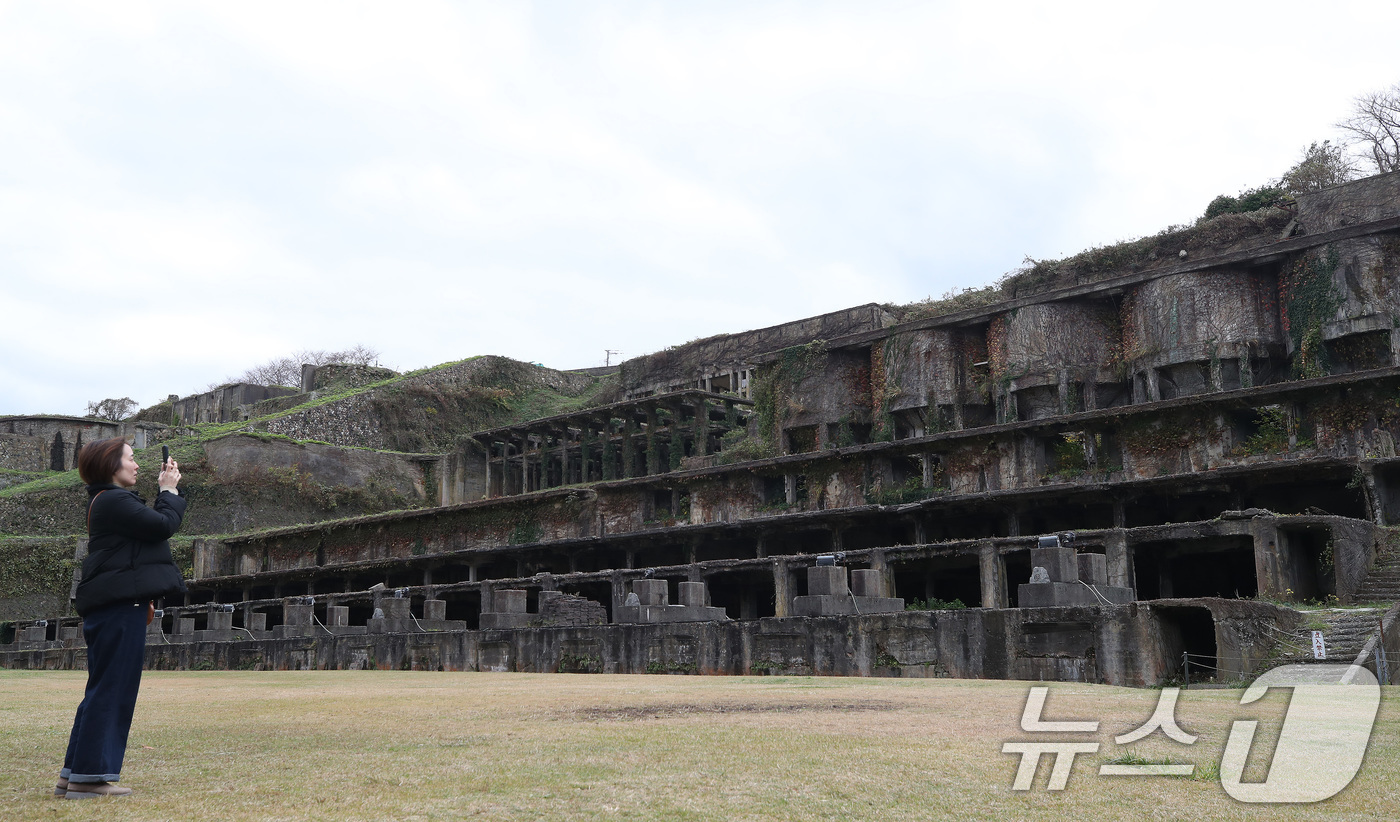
(227, 403)
(58, 440)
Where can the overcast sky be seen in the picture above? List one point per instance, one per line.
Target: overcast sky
(188, 189)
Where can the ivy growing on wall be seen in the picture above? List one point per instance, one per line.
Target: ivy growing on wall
(1309, 300)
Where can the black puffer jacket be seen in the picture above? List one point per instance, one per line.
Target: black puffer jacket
(129, 550)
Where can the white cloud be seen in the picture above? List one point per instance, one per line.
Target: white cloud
(439, 179)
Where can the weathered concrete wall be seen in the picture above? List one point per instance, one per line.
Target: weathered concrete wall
(1200, 316)
(226, 403)
(1362, 201)
(685, 365)
(935, 369)
(57, 438)
(1365, 282)
(1113, 645)
(239, 456)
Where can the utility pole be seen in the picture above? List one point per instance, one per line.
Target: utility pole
(607, 359)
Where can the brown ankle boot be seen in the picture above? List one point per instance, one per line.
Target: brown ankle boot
(86, 790)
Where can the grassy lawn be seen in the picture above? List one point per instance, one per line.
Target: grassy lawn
(397, 746)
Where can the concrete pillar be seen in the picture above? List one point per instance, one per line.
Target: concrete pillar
(619, 592)
(490, 451)
(1119, 559)
(1269, 569)
(782, 588)
(653, 451)
(702, 428)
(880, 564)
(629, 444)
(691, 594)
(992, 572)
(565, 473)
(337, 616)
(435, 609)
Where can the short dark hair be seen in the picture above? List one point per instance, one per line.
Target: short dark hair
(98, 461)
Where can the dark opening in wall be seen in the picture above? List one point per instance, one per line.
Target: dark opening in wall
(877, 534)
(1066, 516)
(907, 471)
(908, 423)
(465, 605)
(976, 416)
(661, 504)
(941, 578)
(969, 525)
(1307, 556)
(744, 594)
(801, 439)
(264, 592)
(719, 547)
(1219, 567)
(1189, 631)
(774, 490)
(1359, 352)
(1324, 491)
(1167, 508)
(1018, 572)
(1038, 402)
(798, 542)
(656, 556)
(1065, 455)
(799, 488)
(1183, 380)
(56, 453)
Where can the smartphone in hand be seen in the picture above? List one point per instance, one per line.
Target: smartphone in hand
(164, 455)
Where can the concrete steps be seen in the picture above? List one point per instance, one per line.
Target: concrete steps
(1383, 583)
(1344, 630)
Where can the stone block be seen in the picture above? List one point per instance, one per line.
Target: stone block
(34, 633)
(1093, 569)
(1059, 563)
(692, 594)
(827, 580)
(491, 622)
(70, 634)
(257, 622)
(651, 591)
(397, 608)
(296, 613)
(220, 621)
(435, 609)
(337, 616)
(184, 626)
(511, 601)
(867, 582)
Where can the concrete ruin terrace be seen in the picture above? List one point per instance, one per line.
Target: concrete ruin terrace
(1166, 459)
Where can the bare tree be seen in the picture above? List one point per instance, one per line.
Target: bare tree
(1374, 128)
(287, 370)
(110, 409)
(1323, 165)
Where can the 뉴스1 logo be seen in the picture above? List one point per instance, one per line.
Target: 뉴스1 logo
(1320, 747)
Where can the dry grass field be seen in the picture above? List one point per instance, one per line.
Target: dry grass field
(408, 746)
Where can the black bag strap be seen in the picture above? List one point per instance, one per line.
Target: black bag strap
(90, 504)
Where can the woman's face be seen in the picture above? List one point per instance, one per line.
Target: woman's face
(126, 474)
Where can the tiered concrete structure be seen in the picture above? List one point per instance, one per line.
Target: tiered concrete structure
(1213, 416)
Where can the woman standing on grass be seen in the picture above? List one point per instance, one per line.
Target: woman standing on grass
(128, 566)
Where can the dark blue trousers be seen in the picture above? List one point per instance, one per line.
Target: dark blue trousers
(116, 649)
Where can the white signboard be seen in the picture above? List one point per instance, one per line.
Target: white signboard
(1319, 647)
